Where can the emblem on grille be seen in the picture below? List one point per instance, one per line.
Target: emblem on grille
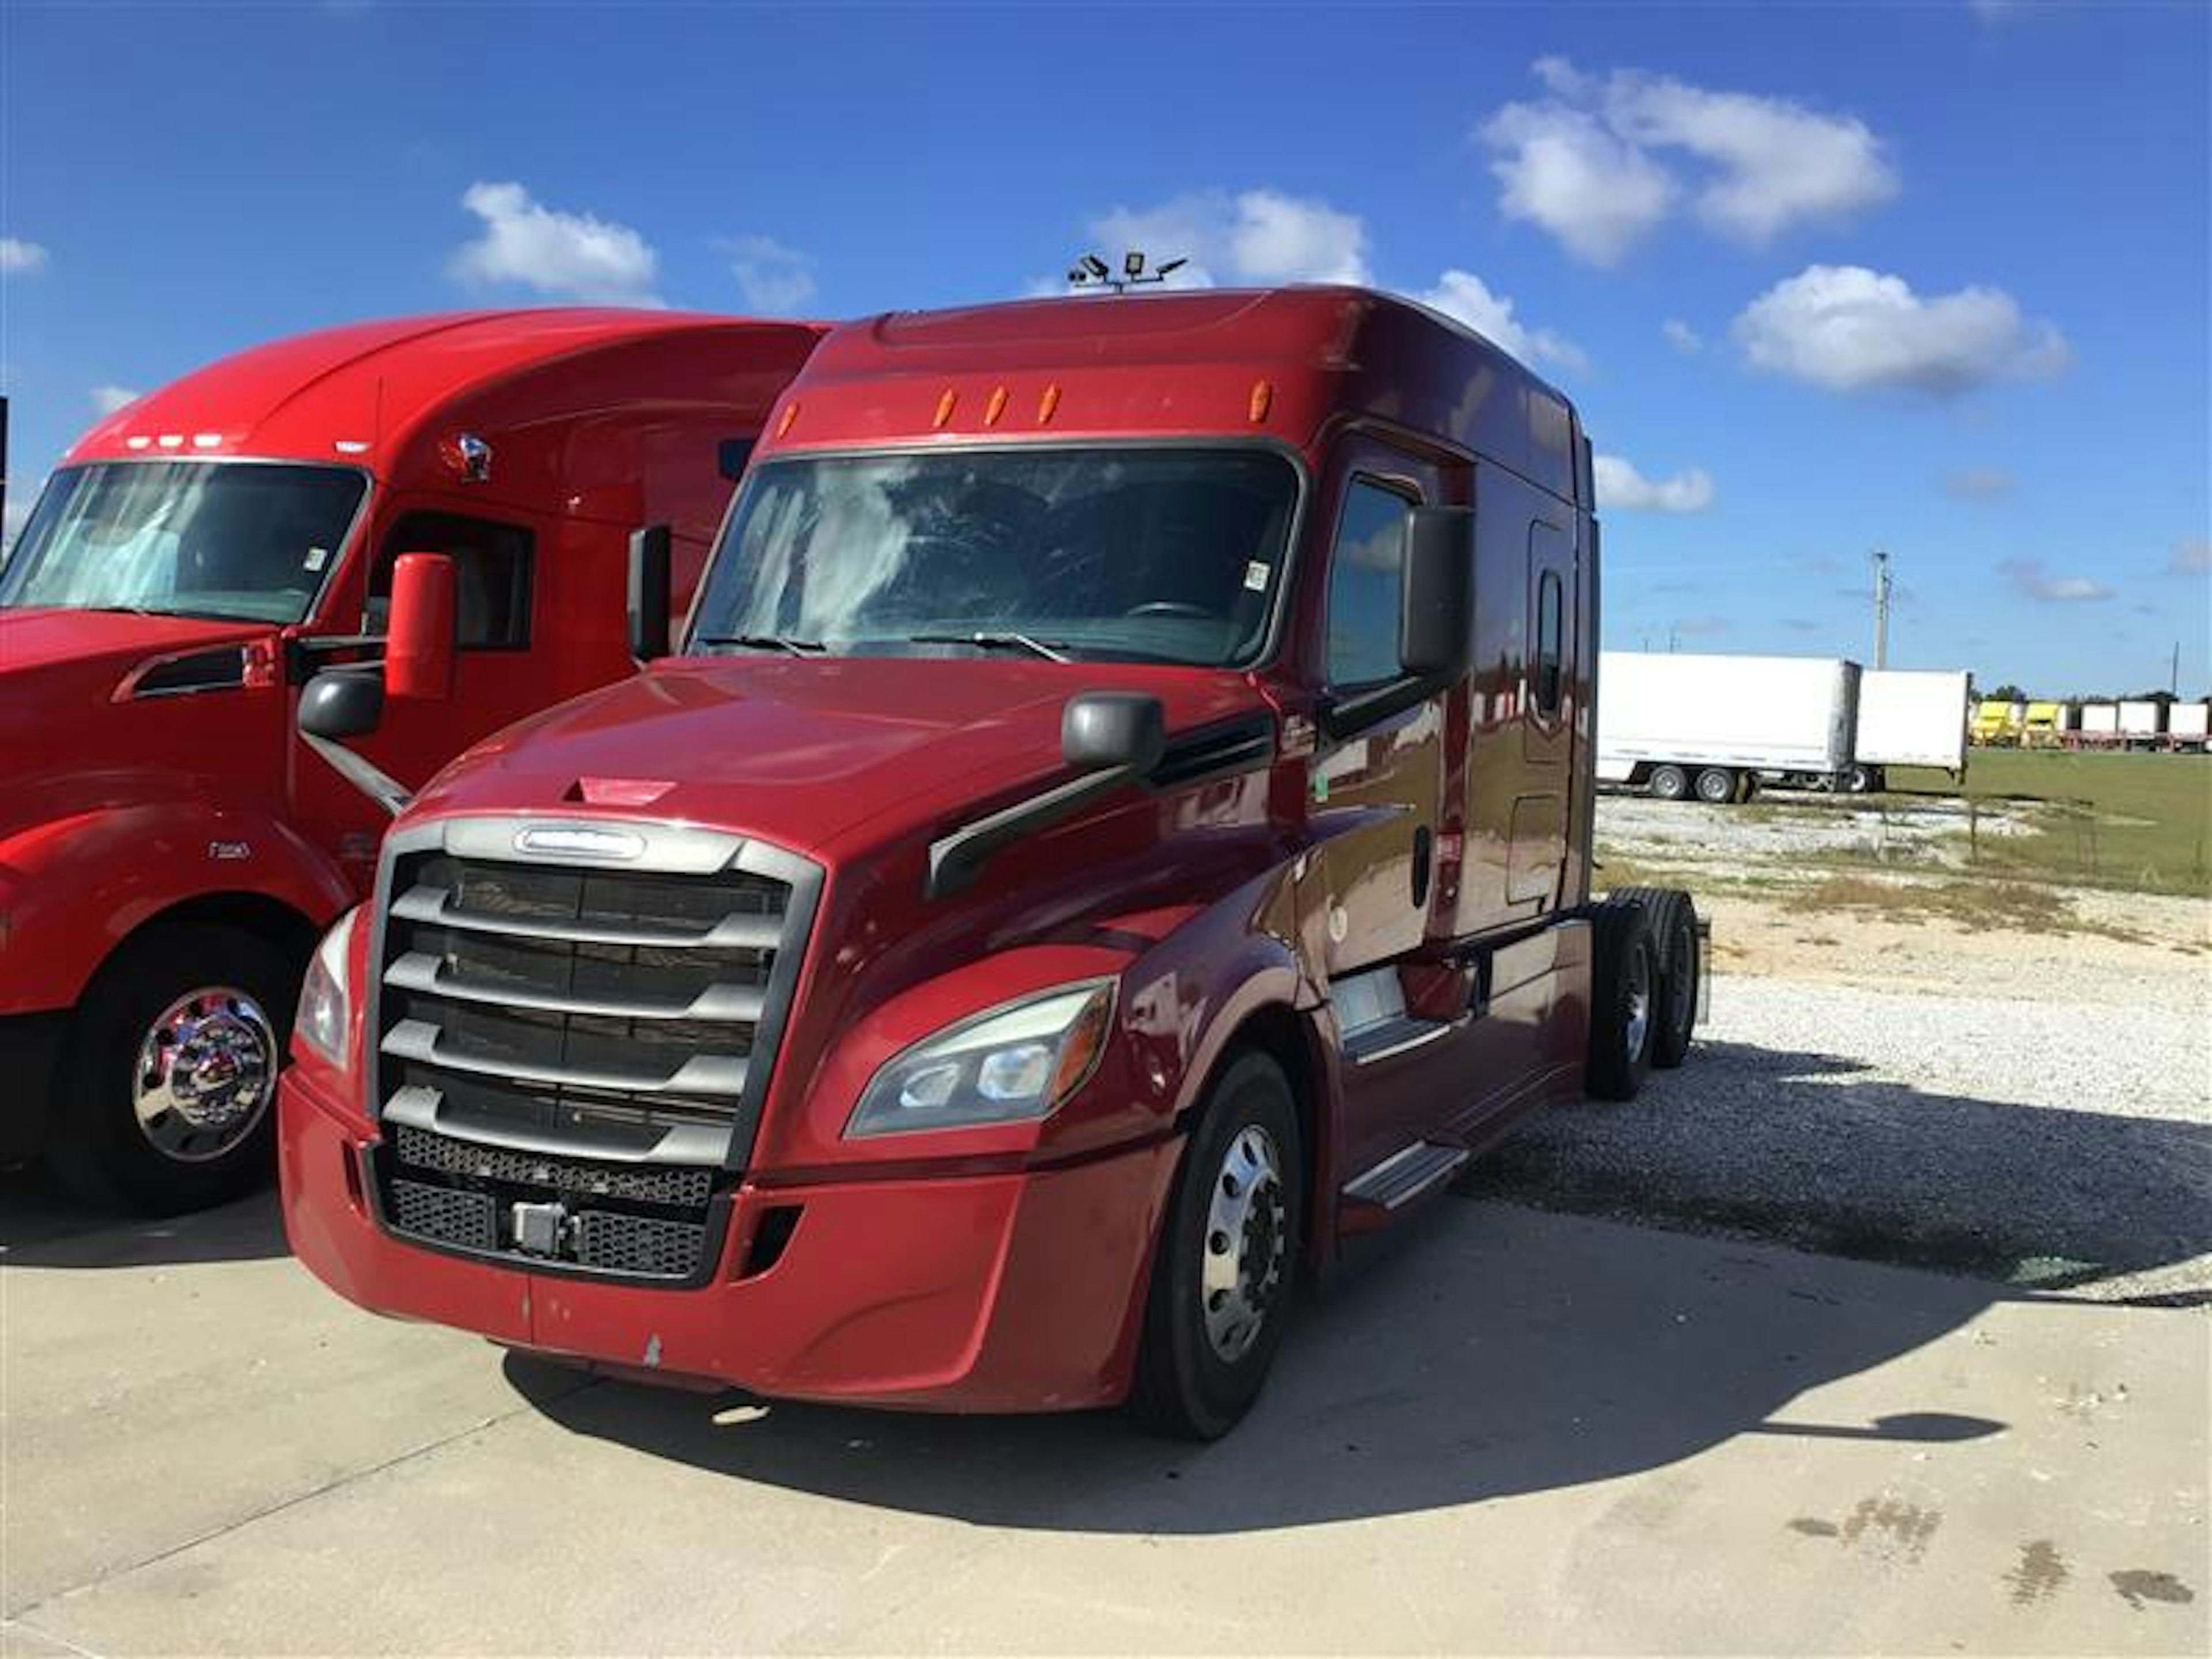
(571, 841)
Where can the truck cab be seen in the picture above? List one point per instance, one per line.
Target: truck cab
(169, 850)
(1117, 827)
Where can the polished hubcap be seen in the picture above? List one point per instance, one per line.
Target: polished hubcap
(1639, 1002)
(205, 1073)
(1245, 1243)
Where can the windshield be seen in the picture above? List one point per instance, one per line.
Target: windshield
(186, 539)
(1106, 553)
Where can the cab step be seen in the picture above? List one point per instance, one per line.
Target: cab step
(1399, 1179)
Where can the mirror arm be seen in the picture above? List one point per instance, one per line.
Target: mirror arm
(381, 786)
(955, 860)
(1342, 717)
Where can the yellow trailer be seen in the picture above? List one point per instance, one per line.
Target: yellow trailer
(1998, 725)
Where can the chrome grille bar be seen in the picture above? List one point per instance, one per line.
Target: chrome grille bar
(419, 970)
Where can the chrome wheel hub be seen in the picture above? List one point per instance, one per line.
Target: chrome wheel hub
(206, 1071)
(1638, 1023)
(1246, 1244)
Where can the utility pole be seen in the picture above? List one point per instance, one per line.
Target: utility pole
(2173, 674)
(1881, 609)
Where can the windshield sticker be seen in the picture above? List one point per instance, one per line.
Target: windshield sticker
(1255, 576)
(317, 558)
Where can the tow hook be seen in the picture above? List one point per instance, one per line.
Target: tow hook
(539, 1228)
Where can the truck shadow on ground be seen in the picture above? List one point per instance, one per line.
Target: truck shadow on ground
(1499, 1351)
(1801, 1147)
(42, 1227)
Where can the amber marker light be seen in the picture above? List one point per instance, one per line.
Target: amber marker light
(1048, 403)
(944, 407)
(790, 413)
(996, 407)
(1263, 398)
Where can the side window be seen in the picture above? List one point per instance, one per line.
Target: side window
(1366, 573)
(491, 576)
(1547, 671)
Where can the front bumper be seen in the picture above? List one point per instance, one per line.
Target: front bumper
(30, 1062)
(1014, 1292)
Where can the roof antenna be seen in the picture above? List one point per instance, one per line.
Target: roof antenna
(1091, 271)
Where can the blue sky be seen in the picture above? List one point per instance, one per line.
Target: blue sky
(1930, 276)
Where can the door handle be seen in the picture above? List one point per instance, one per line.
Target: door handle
(1424, 842)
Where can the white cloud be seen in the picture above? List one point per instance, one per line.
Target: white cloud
(21, 259)
(1255, 236)
(2029, 579)
(1601, 160)
(572, 255)
(2192, 557)
(776, 280)
(108, 398)
(1619, 485)
(1978, 484)
(1464, 295)
(1848, 329)
(1680, 336)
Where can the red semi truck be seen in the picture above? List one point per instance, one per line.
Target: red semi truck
(1117, 826)
(169, 852)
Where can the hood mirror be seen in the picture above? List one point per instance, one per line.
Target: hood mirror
(1113, 730)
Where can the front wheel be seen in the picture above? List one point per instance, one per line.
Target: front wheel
(1222, 1276)
(1625, 985)
(172, 1073)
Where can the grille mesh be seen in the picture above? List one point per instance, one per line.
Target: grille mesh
(463, 1219)
(616, 1243)
(420, 1149)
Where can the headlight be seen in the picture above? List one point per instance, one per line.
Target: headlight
(1011, 1064)
(326, 1000)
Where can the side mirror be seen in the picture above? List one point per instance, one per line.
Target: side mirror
(418, 639)
(1103, 730)
(649, 579)
(1438, 620)
(340, 704)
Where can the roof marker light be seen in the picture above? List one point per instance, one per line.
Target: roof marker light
(141, 441)
(350, 445)
(207, 439)
(171, 440)
(944, 407)
(790, 413)
(996, 407)
(1263, 397)
(1048, 403)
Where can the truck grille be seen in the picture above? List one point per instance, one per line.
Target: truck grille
(570, 1057)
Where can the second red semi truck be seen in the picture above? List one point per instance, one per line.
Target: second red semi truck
(1117, 826)
(169, 851)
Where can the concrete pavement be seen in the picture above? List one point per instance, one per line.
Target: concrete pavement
(1519, 1432)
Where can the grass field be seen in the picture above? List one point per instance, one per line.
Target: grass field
(2142, 820)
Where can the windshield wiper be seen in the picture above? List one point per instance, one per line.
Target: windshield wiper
(765, 642)
(1050, 650)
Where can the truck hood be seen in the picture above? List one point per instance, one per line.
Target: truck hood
(808, 753)
(32, 640)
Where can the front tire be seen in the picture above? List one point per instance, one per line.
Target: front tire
(1223, 1273)
(171, 1077)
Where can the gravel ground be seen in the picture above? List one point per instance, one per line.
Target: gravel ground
(1786, 826)
(2018, 1140)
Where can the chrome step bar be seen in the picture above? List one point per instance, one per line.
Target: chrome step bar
(1403, 1176)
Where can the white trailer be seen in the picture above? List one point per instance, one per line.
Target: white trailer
(1909, 718)
(2099, 726)
(2189, 725)
(1675, 726)
(2142, 723)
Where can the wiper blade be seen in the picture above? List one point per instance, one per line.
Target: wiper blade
(1050, 650)
(766, 643)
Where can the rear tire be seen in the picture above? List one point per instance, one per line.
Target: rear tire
(170, 1081)
(1624, 986)
(1673, 915)
(1667, 783)
(1218, 1304)
(1859, 780)
(1716, 786)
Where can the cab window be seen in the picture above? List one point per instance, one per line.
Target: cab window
(1366, 577)
(1548, 655)
(491, 577)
